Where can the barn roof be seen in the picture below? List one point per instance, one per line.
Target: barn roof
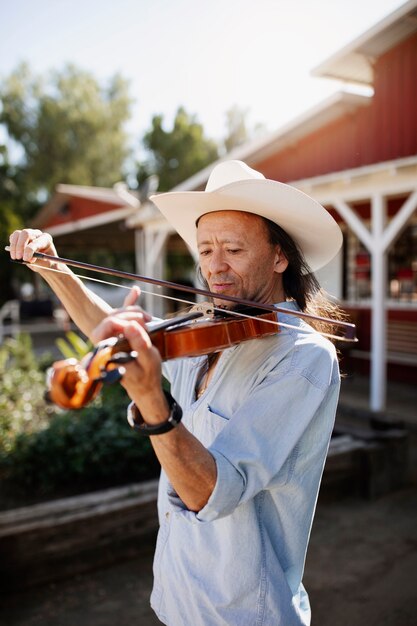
(354, 62)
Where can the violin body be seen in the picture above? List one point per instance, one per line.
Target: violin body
(211, 336)
(73, 384)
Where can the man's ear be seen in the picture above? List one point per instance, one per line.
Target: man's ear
(281, 262)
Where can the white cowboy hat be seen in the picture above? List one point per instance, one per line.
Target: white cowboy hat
(233, 186)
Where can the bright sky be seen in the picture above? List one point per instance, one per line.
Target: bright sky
(206, 56)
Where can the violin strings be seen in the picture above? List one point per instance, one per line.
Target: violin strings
(161, 295)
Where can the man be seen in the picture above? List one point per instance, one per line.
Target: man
(241, 471)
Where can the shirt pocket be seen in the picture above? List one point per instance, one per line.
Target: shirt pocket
(210, 424)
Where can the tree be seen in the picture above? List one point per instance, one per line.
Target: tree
(237, 130)
(16, 204)
(65, 128)
(68, 127)
(176, 154)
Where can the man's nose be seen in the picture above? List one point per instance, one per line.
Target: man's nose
(218, 262)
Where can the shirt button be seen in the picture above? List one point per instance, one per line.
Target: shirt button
(167, 514)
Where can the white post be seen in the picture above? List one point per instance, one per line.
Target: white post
(140, 259)
(379, 314)
(150, 258)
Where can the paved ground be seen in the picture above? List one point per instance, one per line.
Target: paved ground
(361, 571)
(362, 562)
(361, 566)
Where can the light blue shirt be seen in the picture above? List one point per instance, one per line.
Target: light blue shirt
(267, 418)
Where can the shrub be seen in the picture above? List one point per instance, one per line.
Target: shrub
(22, 385)
(80, 450)
(45, 451)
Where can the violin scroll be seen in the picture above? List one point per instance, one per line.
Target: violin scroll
(73, 384)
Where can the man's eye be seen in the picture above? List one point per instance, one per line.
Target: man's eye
(233, 250)
(204, 252)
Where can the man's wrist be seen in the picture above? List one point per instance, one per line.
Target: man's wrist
(147, 427)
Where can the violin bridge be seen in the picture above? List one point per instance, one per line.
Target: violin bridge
(206, 308)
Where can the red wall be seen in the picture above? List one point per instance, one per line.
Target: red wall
(79, 208)
(383, 131)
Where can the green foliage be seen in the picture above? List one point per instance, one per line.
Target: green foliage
(22, 385)
(81, 450)
(237, 130)
(69, 128)
(44, 452)
(73, 346)
(176, 154)
(66, 128)
(16, 204)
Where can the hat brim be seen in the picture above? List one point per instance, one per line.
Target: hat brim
(305, 220)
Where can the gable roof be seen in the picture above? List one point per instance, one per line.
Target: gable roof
(116, 203)
(354, 63)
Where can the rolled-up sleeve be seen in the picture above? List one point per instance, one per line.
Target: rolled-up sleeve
(257, 447)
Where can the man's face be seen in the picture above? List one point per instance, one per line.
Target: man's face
(237, 259)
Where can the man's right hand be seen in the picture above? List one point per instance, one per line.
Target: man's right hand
(23, 244)
(85, 308)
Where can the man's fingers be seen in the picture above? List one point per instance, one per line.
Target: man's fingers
(40, 243)
(144, 373)
(121, 324)
(135, 312)
(132, 296)
(131, 314)
(130, 304)
(23, 243)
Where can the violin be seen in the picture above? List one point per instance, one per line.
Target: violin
(73, 384)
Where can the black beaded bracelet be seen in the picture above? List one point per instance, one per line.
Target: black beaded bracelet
(137, 422)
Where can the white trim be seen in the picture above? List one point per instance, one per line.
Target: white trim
(354, 62)
(386, 167)
(362, 190)
(399, 221)
(115, 195)
(354, 222)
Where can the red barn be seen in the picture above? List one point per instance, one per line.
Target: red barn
(357, 155)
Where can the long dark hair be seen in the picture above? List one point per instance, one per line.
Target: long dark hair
(300, 283)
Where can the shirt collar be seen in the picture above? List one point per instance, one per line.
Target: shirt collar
(288, 304)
